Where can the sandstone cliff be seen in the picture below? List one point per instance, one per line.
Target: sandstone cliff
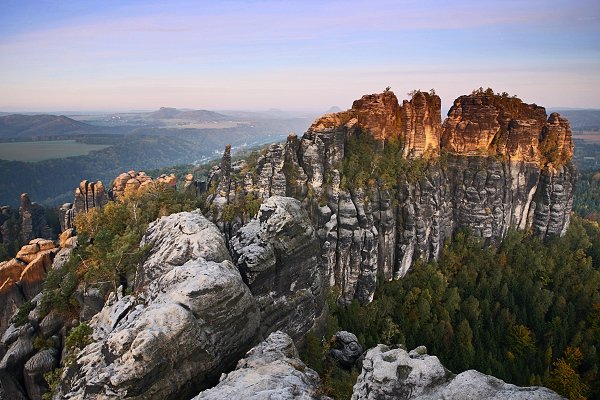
(88, 195)
(194, 312)
(496, 163)
(191, 318)
(21, 278)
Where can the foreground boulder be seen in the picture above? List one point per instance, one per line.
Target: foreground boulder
(271, 370)
(391, 374)
(277, 254)
(193, 319)
(345, 349)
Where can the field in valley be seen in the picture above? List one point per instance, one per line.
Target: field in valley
(45, 150)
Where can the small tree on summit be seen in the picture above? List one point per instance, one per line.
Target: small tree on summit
(387, 89)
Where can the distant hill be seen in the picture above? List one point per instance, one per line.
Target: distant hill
(581, 120)
(192, 115)
(29, 126)
(333, 109)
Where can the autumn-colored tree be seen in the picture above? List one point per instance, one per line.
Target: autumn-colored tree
(564, 377)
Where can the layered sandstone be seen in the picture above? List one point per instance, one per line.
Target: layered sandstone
(484, 123)
(391, 374)
(190, 319)
(25, 224)
(90, 195)
(21, 278)
(134, 182)
(502, 164)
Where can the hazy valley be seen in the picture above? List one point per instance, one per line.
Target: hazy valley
(112, 143)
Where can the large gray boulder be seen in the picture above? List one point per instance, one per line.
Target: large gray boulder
(193, 319)
(271, 370)
(345, 349)
(278, 256)
(34, 370)
(393, 374)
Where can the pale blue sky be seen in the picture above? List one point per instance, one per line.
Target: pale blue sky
(309, 55)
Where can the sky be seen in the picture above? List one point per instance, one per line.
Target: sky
(294, 55)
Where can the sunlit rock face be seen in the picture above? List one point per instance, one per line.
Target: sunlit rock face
(495, 163)
(484, 123)
(91, 195)
(22, 277)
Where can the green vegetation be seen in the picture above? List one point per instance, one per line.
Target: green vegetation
(336, 381)
(528, 312)
(46, 150)
(109, 239)
(367, 161)
(53, 380)
(79, 337)
(21, 317)
(587, 195)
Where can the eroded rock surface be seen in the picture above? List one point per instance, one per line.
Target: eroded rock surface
(133, 182)
(395, 374)
(277, 254)
(22, 225)
(193, 318)
(345, 349)
(271, 370)
(496, 163)
(21, 278)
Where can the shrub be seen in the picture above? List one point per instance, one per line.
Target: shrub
(79, 337)
(22, 316)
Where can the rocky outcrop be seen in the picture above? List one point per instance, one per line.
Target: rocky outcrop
(277, 254)
(484, 123)
(345, 349)
(33, 221)
(34, 370)
(496, 163)
(132, 182)
(271, 370)
(88, 195)
(193, 318)
(193, 186)
(23, 364)
(22, 277)
(395, 374)
(21, 226)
